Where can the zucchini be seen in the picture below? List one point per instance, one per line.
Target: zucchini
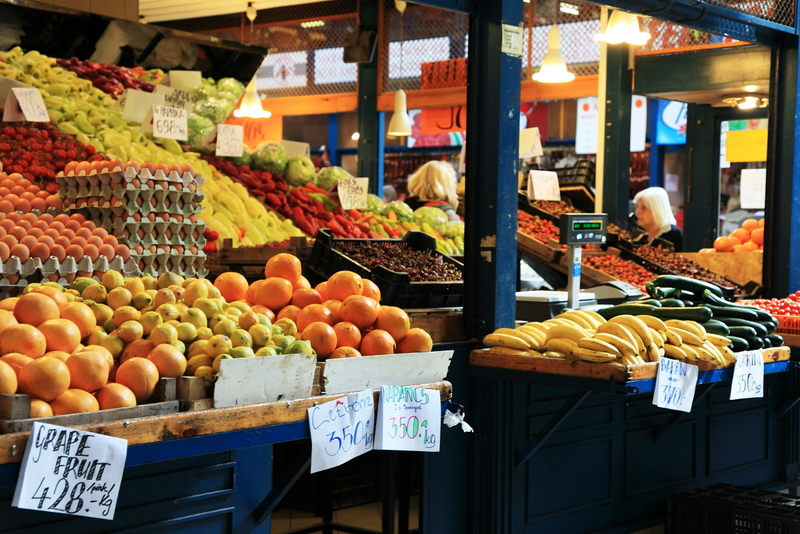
(738, 344)
(716, 327)
(775, 339)
(742, 331)
(690, 284)
(767, 342)
(695, 313)
(733, 321)
(710, 298)
(626, 309)
(732, 311)
(672, 303)
(755, 343)
(648, 302)
(769, 325)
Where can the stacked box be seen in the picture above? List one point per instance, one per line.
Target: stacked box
(153, 213)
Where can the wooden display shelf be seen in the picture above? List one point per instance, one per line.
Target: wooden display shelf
(739, 267)
(443, 326)
(537, 249)
(791, 340)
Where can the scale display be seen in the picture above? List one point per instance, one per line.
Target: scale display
(583, 228)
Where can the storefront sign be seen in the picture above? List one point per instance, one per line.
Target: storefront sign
(443, 120)
(586, 129)
(409, 419)
(229, 140)
(675, 385)
(70, 471)
(353, 193)
(341, 430)
(748, 376)
(25, 104)
(745, 146)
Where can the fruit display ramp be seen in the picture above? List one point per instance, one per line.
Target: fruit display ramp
(250, 261)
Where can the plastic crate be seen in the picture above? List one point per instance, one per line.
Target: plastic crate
(582, 173)
(728, 509)
(396, 287)
(788, 324)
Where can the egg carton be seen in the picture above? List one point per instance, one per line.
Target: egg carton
(70, 265)
(182, 264)
(127, 176)
(116, 218)
(10, 289)
(115, 195)
(143, 202)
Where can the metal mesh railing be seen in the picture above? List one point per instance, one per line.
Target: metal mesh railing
(778, 11)
(665, 36)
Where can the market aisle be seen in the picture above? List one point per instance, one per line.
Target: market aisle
(365, 516)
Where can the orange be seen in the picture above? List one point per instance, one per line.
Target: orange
(289, 312)
(333, 305)
(74, 401)
(8, 378)
(415, 340)
(761, 223)
(115, 396)
(393, 320)
(706, 251)
(44, 378)
(6, 319)
(232, 286)
(377, 342)
(248, 319)
(741, 234)
(285, 266)
(61, 355)
(88, 370)
(344, 352)
(749, 224)
(54, 293)
(322, 338)
(80, 314)
(23, 338)
(16, 360)
(739, 248)
(40, 408)
(301, 283)
(347, 335)
(757, 235)
(750, 246)
(303, 297)
(371, 290)
(723, 244)
(311, 314)
(322, 289)
(170, 362)
(140, 375)
(35, 308)
(342, 284)
(735, 240)
(359, 310)
(274, 293)
(61, 334)
(249, 296)
(8, 304)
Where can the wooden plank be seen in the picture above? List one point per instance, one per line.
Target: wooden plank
(442, 326)
(356, 374)
(14, 406)
(196, 405)
(537, 249)
(190, 388)
(165, 390)
(190, 424)
(740, 267)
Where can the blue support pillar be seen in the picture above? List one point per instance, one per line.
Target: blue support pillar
(493, 90)
(370, 141)
(333, 138)
(656, 170)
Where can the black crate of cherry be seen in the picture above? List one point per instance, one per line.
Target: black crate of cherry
(410, 272)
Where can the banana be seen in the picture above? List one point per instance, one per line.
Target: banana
(543, 328)
(624, 347)
(727, 353)
(704, 354)
(675, 352)
(552, 354)
(538, 335)
(564, 346)
(690, 351)
(617, 330)
(515, 352)
(592, 343)
(638, 326)
(710, 347)
(640, 346)
(659, 338)
(573, 333)
(589, 355)
(598, 319)
(555, 321)
(690, 326)
(629, 360)
(531, 341)
(504, 340)
(688, 337)
(673, 338)
(717, 340)
(653, 322)
(578, 319)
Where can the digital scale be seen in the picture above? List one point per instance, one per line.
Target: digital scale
(576, 230)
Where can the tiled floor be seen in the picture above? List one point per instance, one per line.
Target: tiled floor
(365, 516)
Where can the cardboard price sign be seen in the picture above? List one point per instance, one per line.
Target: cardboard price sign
(25, 104)
(230, 140)
(138, 105)
(409, 419)
(543, 185)
(176, 98)
(170, 123)
(341, 430)
(675, 385)
(748, 376)
(353, 193)
(68, 471)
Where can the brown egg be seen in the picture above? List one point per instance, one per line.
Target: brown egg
(8, 183)
(151, 216)
(91, 251)
(47, 240)
(9, 240)
(22, 205)
(33, 189)
(122, 251)
(46, 217)
(76, 251)
(28, 241)
(73, 225)
(41, 225)
(11, 198)
(54, 202)
(69, 234)
(43, 194)
(192, 218)
(36, 232)
(18, 232)
(193, 249)
(52, 233)
(4, 191)
(83, 232)
(78, 240)
(107, 251)
(27, 195)
(17, 190)
(26, 225)
(21, 251)
(99, 231)
(4, 252)
(7, 224)
(57, 225)
(41, 251)
(136, 183)
(61, 217)
(77, 217)
(2, 231)
(62, 241)
(94, 240)
(178, 248)
(110, 240)
(6, 206)
(137, 216)
(39, 204)
(139, 249)
(59, 252)
(30, 217)
(135, 165)
(83, 167)
(165, 217)
(24, 183)
(152, 249)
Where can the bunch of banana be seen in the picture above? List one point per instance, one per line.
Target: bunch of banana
(689, 341)
(522, 340)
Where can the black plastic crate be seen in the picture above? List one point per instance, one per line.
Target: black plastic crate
(728, 509)
(396, 287)
(581, 173)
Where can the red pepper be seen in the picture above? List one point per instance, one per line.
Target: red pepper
(297, 213)
(336, 229)
(300, 195)
(346, 224)
(274, 200)
(306, 226)
(319, 206)
(315, 188)
(324, 216)
(365, 218)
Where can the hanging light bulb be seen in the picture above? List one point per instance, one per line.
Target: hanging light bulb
(251, 104)
(400, 125)
(623, 27)
(554, 68)
(251, 12)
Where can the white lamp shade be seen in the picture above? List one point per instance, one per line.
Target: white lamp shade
(554, 68)
(623, 27)
(250, 105)
(400, 125)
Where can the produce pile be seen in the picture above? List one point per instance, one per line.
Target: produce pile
(554, 207)
(677, 264)
(536, 227)
(683, 319)
(110, 79)
(748, 238)
(619, 268)
(421, 265)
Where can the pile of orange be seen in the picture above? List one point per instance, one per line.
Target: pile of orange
(748, 238)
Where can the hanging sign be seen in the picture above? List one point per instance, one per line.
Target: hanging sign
(543, 185)
(341, 430)
(530, 144)
(744, 146)
(353, 193)
(748, 376)
(675, 385)
(229, 140)
(69, 471)
(25, 104)
(170, 123)
(409, 419)
(638, 123)
(586, 128)
(671, 125)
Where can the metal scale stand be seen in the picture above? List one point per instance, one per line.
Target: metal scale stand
(579, 229)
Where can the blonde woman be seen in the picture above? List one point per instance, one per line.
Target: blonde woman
(654, 215)
(434, 184)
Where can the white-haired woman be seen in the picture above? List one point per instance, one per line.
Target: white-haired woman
(654, 215)
(434, 184)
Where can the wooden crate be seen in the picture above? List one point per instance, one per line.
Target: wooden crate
(740, 267)
(442, 326)
(230, 255)
(537, 249)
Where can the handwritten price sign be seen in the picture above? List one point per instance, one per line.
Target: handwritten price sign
(170, 123)
(25, 104)
(70, 471)
(229, 140)
(353, 193)
(409, 419)
(675, 385)
(543, 185)
(748, 376)
(341, 430)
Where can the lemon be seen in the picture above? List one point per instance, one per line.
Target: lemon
(130, 331)
(150, 320)
(118, 297)
(112, 279)
(163, 333)
(219, 345)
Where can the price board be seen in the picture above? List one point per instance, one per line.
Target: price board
(69, 471)
(341, 430)
(176, 98)
(230, 140)
(675, 385)
(748, 376)
(353, 193)
(543, 185)
(25, 104)
(170, 123)
(409, 419)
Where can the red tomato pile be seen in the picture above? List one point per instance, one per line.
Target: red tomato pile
(621, 269)
(554, 207)
(785, 306)
(535, 227)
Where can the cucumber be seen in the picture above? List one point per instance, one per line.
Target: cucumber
(775, 339)
(690, 284)
(626, 309)
(672, 303)
(695, 313)
(738, 344)
(710, 298)
(733, 321)
(767, 342)
(769, 325)
(732, 311)
(742, 331)
(755, 343)
(648, 302)
(717, 327)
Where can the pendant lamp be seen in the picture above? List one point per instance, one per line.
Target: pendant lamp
(400, 124)
(623, 27)
(554, 68)
(251, 104)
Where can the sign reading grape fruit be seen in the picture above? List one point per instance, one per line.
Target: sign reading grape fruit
(341, 430)
(409, 419)
(68, 471)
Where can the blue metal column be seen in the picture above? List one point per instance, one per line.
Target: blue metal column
(333, 138)
(253, 480)
(493, 88)
(656, 171)
(370, 141)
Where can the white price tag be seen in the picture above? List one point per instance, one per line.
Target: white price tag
(229, 140)
(748, 376)
(409, 419)
(170, 123)
(353, 193)
(543, 185)
(176, 98)
(341, 430)
(512, 40)
(68, 471)
(136, 105)
(530, 144)
(753, 189)
(25, 104)
(675, 385)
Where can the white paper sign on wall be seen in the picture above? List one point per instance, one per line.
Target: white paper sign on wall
(675, 385)
(638, 123)
(586, 129)
(25, 104)
(341, 430)
(409, 419)
(230, 140)
(753, 189)
(748, 376)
